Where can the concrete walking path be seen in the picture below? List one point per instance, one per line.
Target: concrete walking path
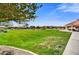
(72, 47)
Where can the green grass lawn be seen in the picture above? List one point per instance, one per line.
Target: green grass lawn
(38, 41)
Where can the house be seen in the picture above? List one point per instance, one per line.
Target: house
(73, 26)
(15, 25)
(2, 25)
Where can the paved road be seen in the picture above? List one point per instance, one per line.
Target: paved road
(72, 47)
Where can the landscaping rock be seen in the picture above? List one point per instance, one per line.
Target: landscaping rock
(8, 52)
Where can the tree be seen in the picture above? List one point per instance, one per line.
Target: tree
(32, 27)
(18, 11)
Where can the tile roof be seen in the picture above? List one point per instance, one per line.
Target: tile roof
(74, 23)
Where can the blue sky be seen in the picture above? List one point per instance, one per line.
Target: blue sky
(56, 14)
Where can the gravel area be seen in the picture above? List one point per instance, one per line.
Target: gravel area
(9, 50)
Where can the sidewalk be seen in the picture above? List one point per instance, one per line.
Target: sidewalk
(72, 47)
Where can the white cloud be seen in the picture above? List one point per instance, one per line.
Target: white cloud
(69, 7)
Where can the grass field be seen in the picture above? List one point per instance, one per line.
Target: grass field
(48, 42)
